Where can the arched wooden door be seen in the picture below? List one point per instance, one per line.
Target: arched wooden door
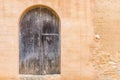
(39, 42)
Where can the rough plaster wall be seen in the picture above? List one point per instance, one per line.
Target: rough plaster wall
(107, 23)
(106, 55)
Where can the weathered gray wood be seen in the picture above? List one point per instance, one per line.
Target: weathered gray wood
(39, 42)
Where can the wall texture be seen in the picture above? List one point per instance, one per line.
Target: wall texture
(76, 37)
(107, 22)
(106, 55)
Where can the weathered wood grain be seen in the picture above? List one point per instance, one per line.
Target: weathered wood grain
(39, 53)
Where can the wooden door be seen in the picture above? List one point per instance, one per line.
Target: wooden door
(39, 42)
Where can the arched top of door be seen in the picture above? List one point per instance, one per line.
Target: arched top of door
(38, 6)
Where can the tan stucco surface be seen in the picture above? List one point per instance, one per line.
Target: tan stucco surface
(107, 22)
(107, 26)
(76, 37)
